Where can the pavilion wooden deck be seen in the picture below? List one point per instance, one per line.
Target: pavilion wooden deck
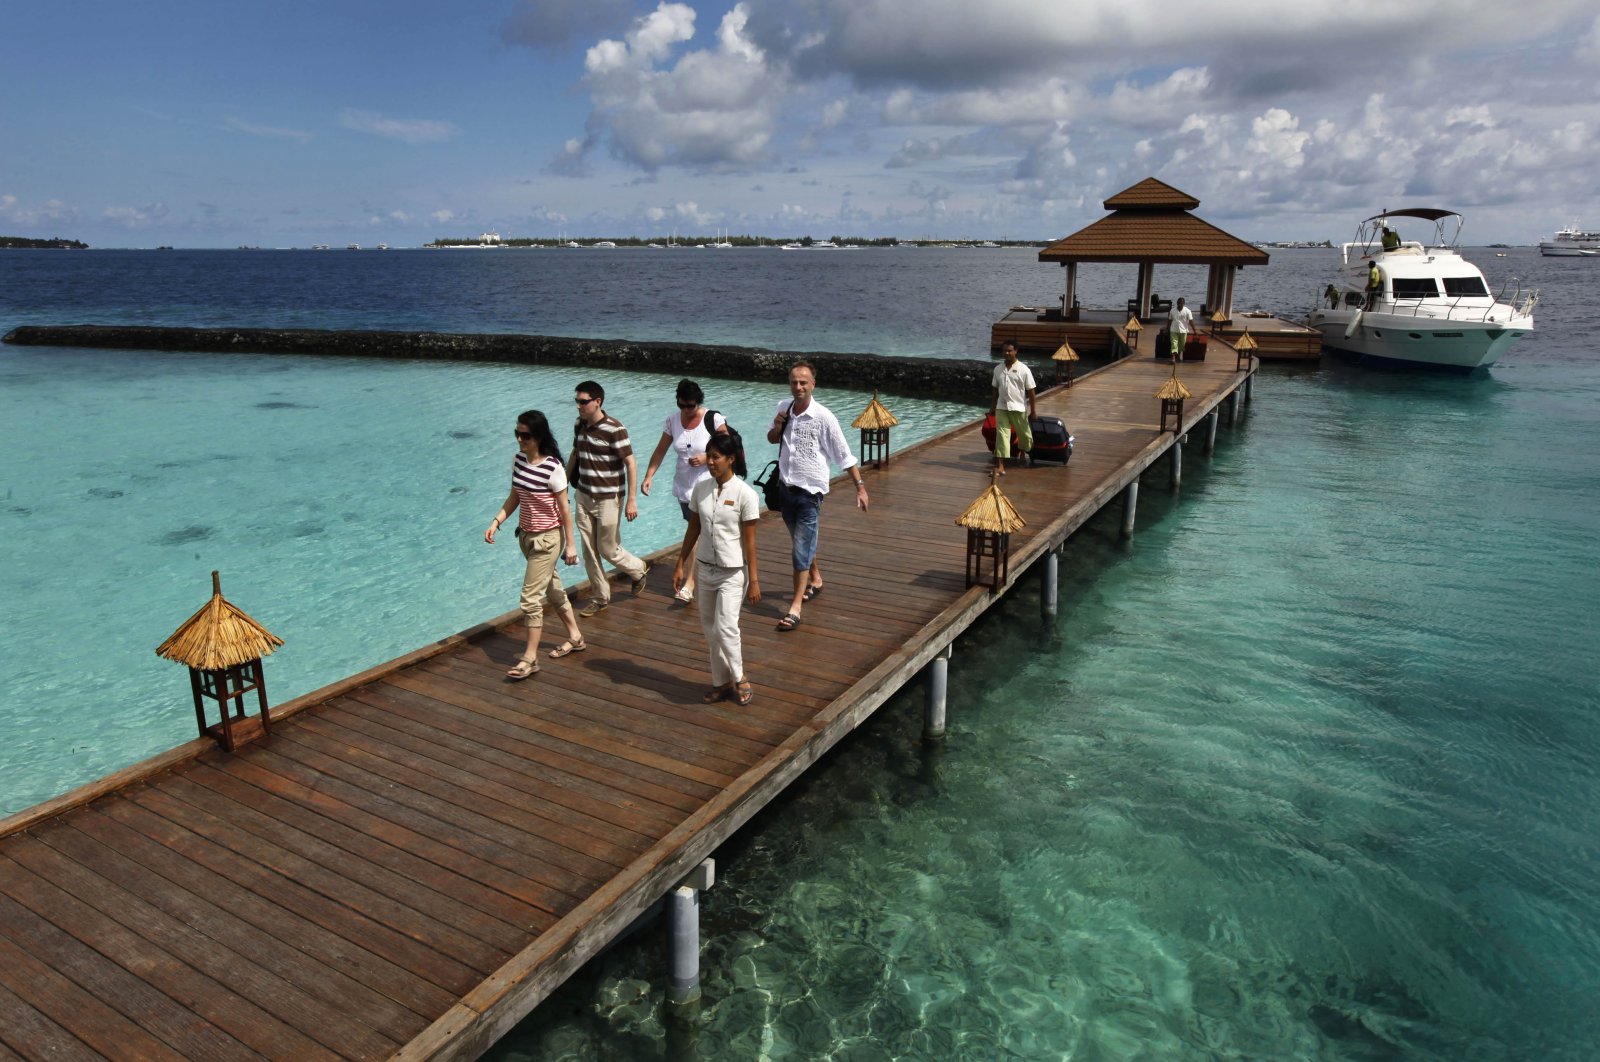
(1040, 330)
(416, 856)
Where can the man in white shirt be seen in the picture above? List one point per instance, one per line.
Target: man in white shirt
(1180, 322)
(1012, 406)
(809, 439)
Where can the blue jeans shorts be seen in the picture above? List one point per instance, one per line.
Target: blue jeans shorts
(801, 511)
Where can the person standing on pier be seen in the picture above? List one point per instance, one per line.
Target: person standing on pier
(1011, 404)
(721, 542)
(1180, 322)
(601, 469)
(809, 438)
(544, 527)
(686, 433)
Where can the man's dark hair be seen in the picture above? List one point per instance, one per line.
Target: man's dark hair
(593, 389)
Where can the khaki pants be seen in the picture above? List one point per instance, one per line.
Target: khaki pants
(721, 594)
(599, 522)
(541, 585)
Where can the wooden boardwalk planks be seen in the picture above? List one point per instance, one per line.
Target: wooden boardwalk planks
(416, 856)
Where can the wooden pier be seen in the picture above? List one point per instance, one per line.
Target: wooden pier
(416, 856)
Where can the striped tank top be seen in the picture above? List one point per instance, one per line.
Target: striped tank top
(536, 486)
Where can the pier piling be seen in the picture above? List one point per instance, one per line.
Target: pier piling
(683, 911)
(1130, 506)
(1211, 430)
(1049, 590)
(1177, 463)
(933, 716)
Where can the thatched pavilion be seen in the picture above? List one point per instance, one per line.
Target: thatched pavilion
(1151, 223)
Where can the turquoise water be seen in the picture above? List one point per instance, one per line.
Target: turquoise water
(1306, 770)
(343, 501)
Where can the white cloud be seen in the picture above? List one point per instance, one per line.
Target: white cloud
(407, 130)
(50, 212)
(237, 125)
(713, 108)
(443, 216)
(136, 217)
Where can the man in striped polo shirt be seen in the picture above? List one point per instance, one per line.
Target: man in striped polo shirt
(600, 469)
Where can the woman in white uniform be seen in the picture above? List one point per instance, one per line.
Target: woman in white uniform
(721, 543)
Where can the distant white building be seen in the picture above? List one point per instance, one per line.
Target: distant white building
(489, 238)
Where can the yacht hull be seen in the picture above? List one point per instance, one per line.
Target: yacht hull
(1398, 339)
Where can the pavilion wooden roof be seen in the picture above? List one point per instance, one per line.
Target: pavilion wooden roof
(1150, 222)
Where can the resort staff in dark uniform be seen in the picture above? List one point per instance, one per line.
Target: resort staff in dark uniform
(600, 468)
(809, 438)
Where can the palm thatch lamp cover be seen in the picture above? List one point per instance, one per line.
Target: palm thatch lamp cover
(1064, 357)
(1243, 347)
(1172, 394)
(222, 648)
(989, 521)
(1133, 328)
(875, 422)
(1218, 319)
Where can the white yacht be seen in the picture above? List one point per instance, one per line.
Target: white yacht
(1571, 242)
(1431, 307)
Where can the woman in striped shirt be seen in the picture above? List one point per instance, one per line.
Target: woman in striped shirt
(539, 490)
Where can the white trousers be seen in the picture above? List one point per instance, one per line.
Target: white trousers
(719, 593)
(599, 523)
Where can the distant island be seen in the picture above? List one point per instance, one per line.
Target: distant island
(56, 244)
(494, 240)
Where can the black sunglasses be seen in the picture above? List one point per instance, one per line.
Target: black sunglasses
(524, 435)
(583, 401)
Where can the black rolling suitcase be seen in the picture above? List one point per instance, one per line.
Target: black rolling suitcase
(1051, 442)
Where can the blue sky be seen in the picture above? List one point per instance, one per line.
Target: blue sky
(287, 124)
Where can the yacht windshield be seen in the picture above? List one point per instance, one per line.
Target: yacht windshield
(1465, 286)
(1415, 288)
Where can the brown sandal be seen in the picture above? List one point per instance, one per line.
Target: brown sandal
(522, 669)
(567, 648)
(717, 693)
(745, 693)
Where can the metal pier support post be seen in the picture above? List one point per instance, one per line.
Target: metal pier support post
(1177, 463)
(933, 714)
(683, 911)
(1250, 386)
(1050, 592)
(1130, 506)
(1233, 408)
(1211, 429)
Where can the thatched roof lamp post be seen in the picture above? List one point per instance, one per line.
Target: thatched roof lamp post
(875, 422)
(1064, 357)
(1172, 394)
(1218, 319)
(223, 647)
(989, 521)
(1133, 328)
(1243, 348)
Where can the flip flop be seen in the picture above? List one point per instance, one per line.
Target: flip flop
(745, 694)
(811, 591)
(789, 622)
(567, 648)
(522, 669)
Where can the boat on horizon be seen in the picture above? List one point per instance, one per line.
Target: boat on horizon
(1432, 309)
(1571, 242)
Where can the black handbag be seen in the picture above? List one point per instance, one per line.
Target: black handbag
(771, 486)
(769, 481)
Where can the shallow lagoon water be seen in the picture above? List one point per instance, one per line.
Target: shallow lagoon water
(1304, 771)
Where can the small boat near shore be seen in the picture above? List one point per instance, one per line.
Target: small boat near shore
(1571, 242)
(1430, 308)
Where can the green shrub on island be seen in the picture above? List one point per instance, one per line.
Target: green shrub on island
(52, 244)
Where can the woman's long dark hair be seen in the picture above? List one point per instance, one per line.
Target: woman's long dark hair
(535, 422)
